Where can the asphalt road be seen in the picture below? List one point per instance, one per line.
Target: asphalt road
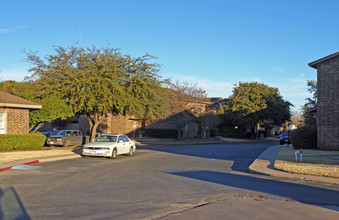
(158, 181)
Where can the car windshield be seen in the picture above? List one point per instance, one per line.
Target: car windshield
(106, 138)
(64, 132)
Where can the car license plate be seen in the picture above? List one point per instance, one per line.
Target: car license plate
(93, 152)
(51, 142)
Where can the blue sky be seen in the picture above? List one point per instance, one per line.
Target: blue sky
(213, 43)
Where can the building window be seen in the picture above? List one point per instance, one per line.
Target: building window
(2, 122)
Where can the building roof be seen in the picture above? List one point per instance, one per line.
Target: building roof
(12, 101)
(315, 63)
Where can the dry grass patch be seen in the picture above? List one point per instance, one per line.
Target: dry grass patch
(315, 162)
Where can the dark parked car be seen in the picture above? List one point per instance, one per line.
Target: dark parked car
(285, 138)
(66, 138)
(49, 133)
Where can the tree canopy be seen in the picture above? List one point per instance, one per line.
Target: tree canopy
(252, 103)
(98, 81)
(308, 115)
(52, 107)
(188, 88)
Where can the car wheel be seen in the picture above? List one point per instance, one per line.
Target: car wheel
(114, 154)
(130, 153)
(65, 144)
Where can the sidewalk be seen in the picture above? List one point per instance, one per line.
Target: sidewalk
(265, 162)
(15, 158)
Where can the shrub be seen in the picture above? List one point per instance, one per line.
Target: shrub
(304, 138)
(21, 141)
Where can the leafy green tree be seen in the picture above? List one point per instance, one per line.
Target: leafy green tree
(21, 89)
(96, 82)
(310, 116)
(52, 106)
(256, 103)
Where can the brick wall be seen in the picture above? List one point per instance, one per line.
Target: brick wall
(180, 113)
(328, 104)
(119, 124)
(185, 122)
(17, 120)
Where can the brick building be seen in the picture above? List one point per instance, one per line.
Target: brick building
(328, 101)
(186, 117)
(14, 114)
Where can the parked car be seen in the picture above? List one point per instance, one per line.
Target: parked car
(285, 138)
(48, 134)
(66, 138)
(109, 145)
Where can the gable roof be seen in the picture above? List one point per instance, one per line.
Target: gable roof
(315, 63)
(12, 101)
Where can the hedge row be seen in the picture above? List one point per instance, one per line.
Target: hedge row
(21, 141)
(304, 138)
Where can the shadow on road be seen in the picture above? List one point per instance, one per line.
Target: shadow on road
(294, 191)
(11, 206)
(242, 154)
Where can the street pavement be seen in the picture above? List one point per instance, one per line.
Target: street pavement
(263, 165)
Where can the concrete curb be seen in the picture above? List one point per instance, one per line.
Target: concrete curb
(265, 162)
(41, 160)
(10, 167)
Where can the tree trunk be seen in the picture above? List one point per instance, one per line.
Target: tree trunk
(94, 121)
(34, 128)
(94, 130)
(253, 132)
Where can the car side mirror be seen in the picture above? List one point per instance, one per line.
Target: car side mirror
(120, 142)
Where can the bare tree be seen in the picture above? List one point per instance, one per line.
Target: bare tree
(188, 89)
(297, 118)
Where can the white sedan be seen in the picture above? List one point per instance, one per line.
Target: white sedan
(109, 145)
